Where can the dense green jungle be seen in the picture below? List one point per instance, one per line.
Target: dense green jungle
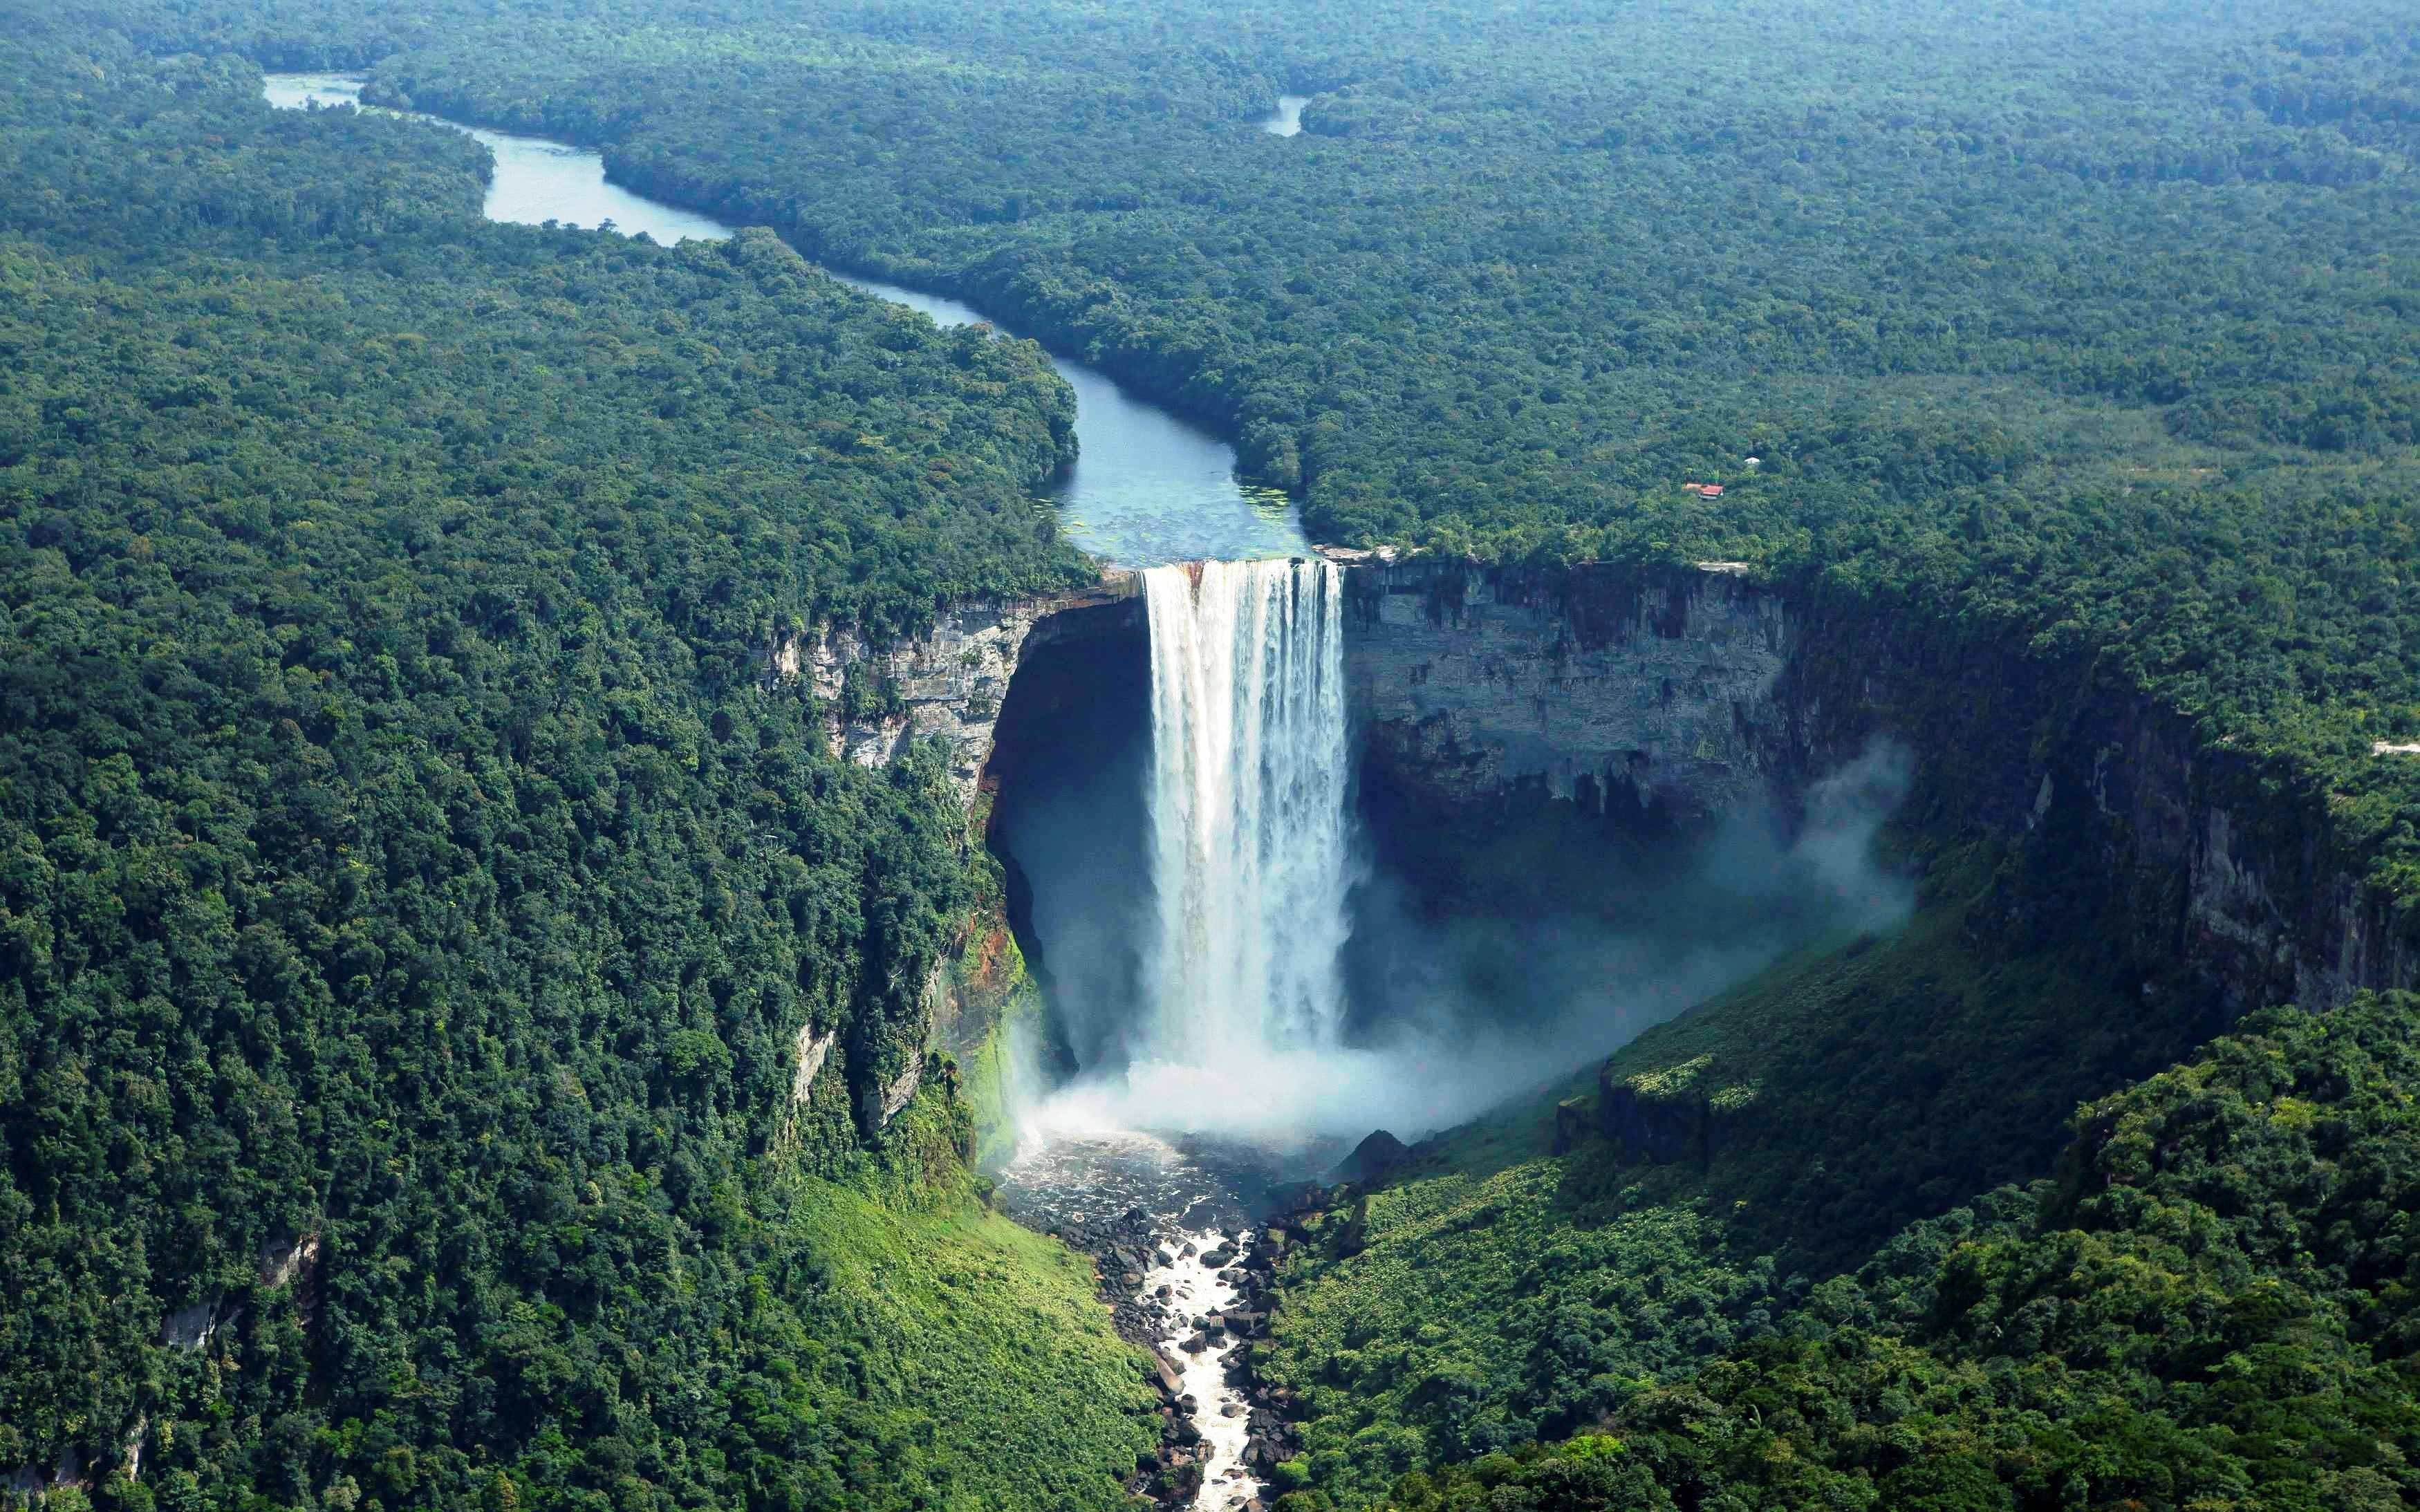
(417, 904)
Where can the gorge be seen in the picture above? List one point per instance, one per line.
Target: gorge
(1461, 682)
(632, 879)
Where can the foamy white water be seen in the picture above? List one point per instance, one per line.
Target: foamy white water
(1251, 855)
(1195, 1289)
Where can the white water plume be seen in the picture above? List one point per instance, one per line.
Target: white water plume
(1251, 850)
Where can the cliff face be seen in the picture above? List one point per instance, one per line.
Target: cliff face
(1683, 695)
(2229, 874)
(948, 683)
(879, 701)
(1471, 683)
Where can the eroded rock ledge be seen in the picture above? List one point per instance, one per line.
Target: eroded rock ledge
(1589, 681)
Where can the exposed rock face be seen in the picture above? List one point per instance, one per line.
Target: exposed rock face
(1681, 695)
(813, 1050)
(1687, 1112)
(901, 1088)
(1471, 682)
(190, 1328)
(948, 683)
(282, 1262)
(2232, 875)
(1689, 693)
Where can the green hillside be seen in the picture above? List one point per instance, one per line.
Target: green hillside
(2206, 1304)
(1497, 1292)
(412, 892)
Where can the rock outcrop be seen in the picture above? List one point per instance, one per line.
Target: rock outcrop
(1372, 1161)
(1683, 1113)
(1590, 682)
(946, 683)
(877, 701)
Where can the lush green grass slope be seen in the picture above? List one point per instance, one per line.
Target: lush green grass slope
(413, 890)
(2211, 1305)
(1497, 1292)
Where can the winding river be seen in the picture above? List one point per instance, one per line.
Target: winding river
(1147, 488)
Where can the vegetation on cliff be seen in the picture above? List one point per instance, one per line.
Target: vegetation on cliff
(415, 900)
(2208, 1304)
(1498, 1292)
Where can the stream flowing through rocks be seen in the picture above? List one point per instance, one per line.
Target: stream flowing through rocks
(1182, 1230)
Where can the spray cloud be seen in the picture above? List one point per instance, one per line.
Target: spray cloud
(1270, 983)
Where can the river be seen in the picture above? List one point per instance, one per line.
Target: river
(1147, 488)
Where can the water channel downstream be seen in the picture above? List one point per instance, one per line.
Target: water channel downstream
(1174, 1222)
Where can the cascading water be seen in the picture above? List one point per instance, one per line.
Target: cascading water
(1242, 991)
(1251, 856)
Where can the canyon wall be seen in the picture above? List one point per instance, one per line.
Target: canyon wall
(948, 685)
(1666, 699)
(1680, 695)
(1585, 683)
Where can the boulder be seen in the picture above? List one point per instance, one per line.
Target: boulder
(1372, 1160)
(1172, 1380)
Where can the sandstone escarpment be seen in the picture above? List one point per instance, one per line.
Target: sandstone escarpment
(1683, 695)
(1587, 681)
(879, 701)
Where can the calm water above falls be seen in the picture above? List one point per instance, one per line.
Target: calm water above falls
(1147, 489)
(536, 181)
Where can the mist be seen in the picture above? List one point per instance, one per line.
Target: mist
(1538, 954)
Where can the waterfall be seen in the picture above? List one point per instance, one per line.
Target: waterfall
(1250, 849)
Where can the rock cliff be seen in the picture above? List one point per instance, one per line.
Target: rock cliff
(946, 683)
(1681, 695)
(1586, 681)
(877, 701)
(1678, 696)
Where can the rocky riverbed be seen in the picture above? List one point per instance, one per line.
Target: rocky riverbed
(1179, 1231)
